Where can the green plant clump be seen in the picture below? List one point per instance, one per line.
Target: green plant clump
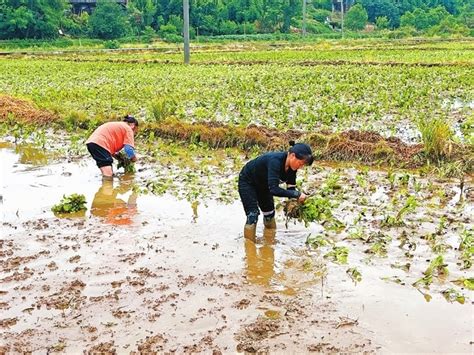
(466, 247)
(437, 137)
(451, 295)
(70, 204)
(354, 274)
(436, 268)
(125, 163)
(315, 208)
(338, 255)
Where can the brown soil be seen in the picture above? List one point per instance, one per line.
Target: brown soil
(23, 110)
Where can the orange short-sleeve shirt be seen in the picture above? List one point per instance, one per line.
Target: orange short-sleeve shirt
(113, 136)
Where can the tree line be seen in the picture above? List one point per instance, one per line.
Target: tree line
(109, 20)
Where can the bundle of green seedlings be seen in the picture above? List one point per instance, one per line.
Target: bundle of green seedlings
(316, 208)
(70, 204)
(125, 163)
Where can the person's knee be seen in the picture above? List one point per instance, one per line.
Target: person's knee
(107, 171)
(252, 217)
(267, 216)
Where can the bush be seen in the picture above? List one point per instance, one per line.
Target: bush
(172, 38)
(403, 32)
(448, 26)
(317, 27)
(169, 33)
(77, 25)
(111, 44)
(247, 28)
(382, 22)
(228, 28)
(148, 34)
(320, 15)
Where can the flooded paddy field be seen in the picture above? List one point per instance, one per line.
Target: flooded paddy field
(171, 271)
(158, 262)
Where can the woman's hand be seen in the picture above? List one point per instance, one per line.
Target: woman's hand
(302, 197)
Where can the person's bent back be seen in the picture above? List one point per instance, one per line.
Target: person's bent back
(109, 139)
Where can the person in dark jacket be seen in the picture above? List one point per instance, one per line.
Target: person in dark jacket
(259, 181)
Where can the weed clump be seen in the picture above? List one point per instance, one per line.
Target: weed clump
(162, 108)
(70, 204)
(436, 136)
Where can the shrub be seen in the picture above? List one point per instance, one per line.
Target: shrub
(148, 34)
(111, 44)
(321, 15)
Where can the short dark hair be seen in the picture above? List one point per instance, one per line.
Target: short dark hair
(130, 119)
(302, 151)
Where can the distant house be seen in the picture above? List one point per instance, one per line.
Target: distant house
(336, 5)
(79, 6)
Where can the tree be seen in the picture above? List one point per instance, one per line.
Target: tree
(147, 9)
(31, 19)
(377, 8)
(228, 27)
(466, 14)
(422, 20)
(322, 4)
(108, 21)
(289, 9)
(382, 22)
(356, 18)
(77, 25)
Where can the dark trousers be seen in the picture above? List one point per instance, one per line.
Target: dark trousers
(254, 197)
(101, 156)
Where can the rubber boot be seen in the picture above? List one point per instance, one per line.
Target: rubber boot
(270, 223)
(250, 231)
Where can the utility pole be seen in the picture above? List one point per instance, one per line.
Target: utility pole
(342, 18)
(186, 30)
(303, 30)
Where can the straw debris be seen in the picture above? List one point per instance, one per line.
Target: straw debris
(12, 108)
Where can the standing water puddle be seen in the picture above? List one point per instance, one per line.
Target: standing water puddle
(142, 258)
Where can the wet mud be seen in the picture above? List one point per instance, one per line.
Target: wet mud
(144, 273)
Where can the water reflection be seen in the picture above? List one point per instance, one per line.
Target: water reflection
(261, 259)
(110, 207)
(31, 155)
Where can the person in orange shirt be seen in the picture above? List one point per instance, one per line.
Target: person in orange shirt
(108, 139)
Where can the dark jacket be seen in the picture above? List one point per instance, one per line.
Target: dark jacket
(267, 171)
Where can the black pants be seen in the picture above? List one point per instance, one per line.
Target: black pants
(101, 156)
(254, 197)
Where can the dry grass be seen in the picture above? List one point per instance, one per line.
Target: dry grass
(24, 111)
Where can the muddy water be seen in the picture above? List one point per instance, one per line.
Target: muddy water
(144, 272)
